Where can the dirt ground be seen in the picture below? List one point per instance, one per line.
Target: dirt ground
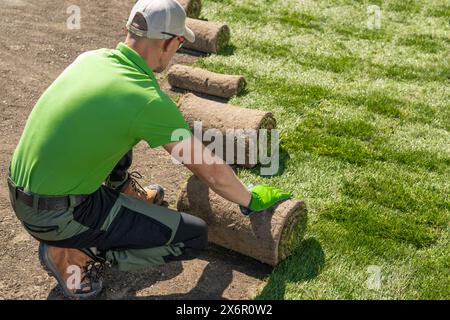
(35, 46)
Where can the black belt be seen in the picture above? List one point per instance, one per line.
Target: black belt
(44, 202)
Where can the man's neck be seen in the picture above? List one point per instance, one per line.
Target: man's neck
(144, 49)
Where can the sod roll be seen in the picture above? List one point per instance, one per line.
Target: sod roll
(204, 81)
(210, 37)
(224, 117)
(269, 236)
(192, 7)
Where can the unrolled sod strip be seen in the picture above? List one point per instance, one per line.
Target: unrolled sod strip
(268, 236)
(204, 81)
(193, 8)
(210, 37)
(224, 118)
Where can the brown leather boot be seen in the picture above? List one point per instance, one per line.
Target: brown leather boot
(153, 193)
(78, 274)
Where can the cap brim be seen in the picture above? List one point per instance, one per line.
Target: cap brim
(189, 34)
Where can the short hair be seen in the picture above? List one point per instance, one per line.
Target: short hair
(139, 22)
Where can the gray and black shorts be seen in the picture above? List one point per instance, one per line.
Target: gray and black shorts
(128, 232)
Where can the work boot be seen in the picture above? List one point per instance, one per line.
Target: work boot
(78, 271)
(153, 193)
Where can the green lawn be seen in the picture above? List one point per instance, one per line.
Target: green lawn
(364, 120)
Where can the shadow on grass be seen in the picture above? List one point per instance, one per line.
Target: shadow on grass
(302, 266)
(284, 157)
(227, 50)
(243, 92)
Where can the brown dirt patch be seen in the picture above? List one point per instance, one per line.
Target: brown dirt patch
(35, 46)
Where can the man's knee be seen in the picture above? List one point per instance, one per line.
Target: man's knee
(203, 234)
(192, 231)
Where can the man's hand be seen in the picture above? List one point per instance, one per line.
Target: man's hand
(264, 197)
(221, 178)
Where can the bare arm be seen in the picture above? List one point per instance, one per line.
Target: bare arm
(218, 175)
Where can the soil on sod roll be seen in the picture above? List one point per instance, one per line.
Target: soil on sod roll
(204, 81)
(193, 8)
(268, 236)
(210, 37)
(224, 118)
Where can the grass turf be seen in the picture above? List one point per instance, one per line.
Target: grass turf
(364, 120)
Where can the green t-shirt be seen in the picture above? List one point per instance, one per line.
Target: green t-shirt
(103, 104)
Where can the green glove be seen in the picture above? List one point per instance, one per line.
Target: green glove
(264, 197)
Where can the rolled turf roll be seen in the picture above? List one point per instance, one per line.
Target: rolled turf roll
(210, 37)
(204, 81)
(222, 117)
(269, 236)
(192, 7)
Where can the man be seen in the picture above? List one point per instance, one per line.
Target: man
(69, 184)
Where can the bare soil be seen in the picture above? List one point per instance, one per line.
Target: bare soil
(35, 47)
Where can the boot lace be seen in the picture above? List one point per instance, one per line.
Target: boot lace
(93, 271)
(135, 184)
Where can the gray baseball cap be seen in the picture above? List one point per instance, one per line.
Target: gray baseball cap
(165, 18)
